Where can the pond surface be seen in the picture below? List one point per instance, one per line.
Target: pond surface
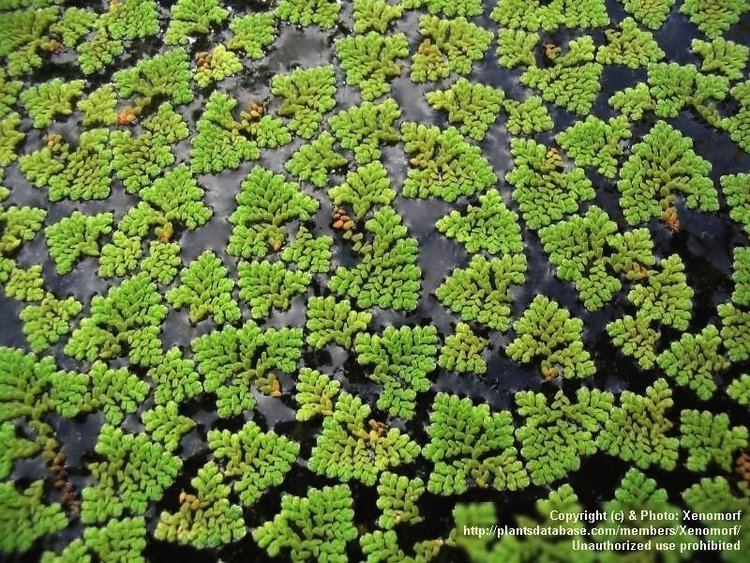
(704, 241)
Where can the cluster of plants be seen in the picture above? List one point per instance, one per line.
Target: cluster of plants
(222, 141)
(572, 79)
(443, 163)
(589, 252)
(448, 46)
(230, 324)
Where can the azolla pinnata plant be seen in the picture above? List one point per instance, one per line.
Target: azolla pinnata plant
(310, 280)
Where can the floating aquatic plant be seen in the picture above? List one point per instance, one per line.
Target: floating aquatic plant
(207, 518)
(193, 16)
(735, 329)
(474, 107)
(722, 57)
(101, 50)
(126, 319)
(375, 15)
(709, 439)
(462, 351)
(661, 167)
(741, 276)
(481, 292)
(333, 321)
(403, 358)
(50, 99)
(489, 226)
(563, 502)
(207, 290)
(382, 545)
(116, 392)
(572, 81)
(443, 163)
(369, 61)
(674, 87)
(629, 46)
(265, 285)
(133, 472)
(98, 107)
(544, 190)
(469, 8)
(308, 94)
(665, 296)
(73, 24)
(132, 19)
(117, 540)
(120, 257)
(174, 378)
(527, 117)
(650, 13)
(635, 337)
(315, 161)
(738, 125)
(716, 495)
(76, 236)
(596, 143)
(736, 188)
(31, 387)
(739, 390)
(79, 173)
(11, 137)
(366, 127)
(365, 187)
(234, 360)
(342, 360)
(548, 331)
(633, 102)
(25, 516)
(215, 65)
(588, 251)
(637, 430)
(48, 320)
(397, 499)
(714, 17)
(223, 142)
(165, 75)
(309, 253)
(265, 204)
(693, 361)
(166, 426)
(316, 394)
(139, 160)
(470, 444)
(321, 523)
(172, 200)
(25, 284)
(19, 224)
(550, 16)
(352, 446)
(9, 90)
(252, 460)
(557, 434)
(639, 500)
(448, 46)
(387, 275)
(23, 36)
(252, 34)
(515, 47)
(324, 13)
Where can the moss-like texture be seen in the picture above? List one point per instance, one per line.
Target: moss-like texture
(315, 280)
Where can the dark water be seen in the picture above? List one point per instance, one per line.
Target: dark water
(705, 244)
